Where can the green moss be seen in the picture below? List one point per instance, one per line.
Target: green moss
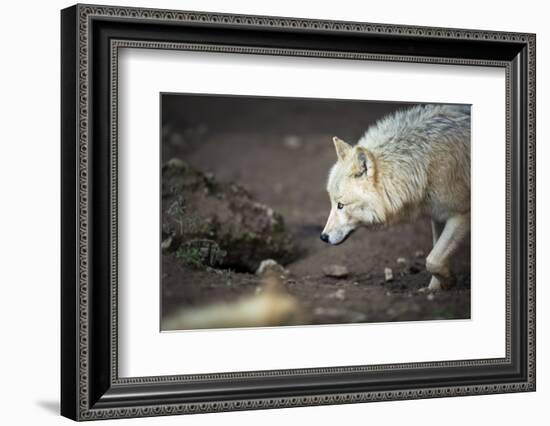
(211, 184)
(278, 225)
(201, 253)
(175, 208)
(190, 257)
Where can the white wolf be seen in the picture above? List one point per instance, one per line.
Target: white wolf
(414, 160)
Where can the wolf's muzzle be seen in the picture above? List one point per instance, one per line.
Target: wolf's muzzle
(324, 237)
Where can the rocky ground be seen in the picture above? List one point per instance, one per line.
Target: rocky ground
(254, 177)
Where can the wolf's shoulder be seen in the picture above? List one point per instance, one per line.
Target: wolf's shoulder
(417, 121)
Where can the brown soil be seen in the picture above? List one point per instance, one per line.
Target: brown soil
(280, 151)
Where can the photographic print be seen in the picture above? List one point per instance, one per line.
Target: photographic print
(295, 211)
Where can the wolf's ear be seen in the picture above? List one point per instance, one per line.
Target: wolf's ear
(342, 148)
(363, 162)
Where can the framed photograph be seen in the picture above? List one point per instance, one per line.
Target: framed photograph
(263, 212)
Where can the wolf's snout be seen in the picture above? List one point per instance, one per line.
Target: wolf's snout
(324, 237)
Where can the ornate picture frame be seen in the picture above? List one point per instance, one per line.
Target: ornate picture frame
(91, 37)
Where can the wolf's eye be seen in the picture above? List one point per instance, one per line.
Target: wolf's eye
(340, 206)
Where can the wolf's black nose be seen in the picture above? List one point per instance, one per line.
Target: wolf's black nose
(324, 237)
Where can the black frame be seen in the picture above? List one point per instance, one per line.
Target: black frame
(91, 37)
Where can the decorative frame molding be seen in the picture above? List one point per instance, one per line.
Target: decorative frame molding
(91, 388)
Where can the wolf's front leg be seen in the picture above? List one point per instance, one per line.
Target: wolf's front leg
(455, 230)
(437, 229)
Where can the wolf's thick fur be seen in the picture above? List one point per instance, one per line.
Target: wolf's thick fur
(414, 160)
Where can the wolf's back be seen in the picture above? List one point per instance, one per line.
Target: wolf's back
(419, 125)
(423, 154)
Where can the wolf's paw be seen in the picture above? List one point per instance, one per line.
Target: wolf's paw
(438, 284)
(437, 268)
(435, 284)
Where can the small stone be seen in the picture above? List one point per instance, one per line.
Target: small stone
(270, 265)
(401, 261)
(336, 271)
(176, 163)
(355, 283)
(388, 293)
(419, 254)
(292, 141)
(430, 297)
(339, 294)
(388, 274)
(165, 245)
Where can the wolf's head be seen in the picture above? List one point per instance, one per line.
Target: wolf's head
(351, 186)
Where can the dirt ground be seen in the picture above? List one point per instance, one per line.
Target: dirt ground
(281, 152)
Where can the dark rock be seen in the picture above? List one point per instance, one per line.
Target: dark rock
(414, 269)
(219, 224)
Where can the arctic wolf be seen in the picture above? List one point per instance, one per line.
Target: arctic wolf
(415, 160)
